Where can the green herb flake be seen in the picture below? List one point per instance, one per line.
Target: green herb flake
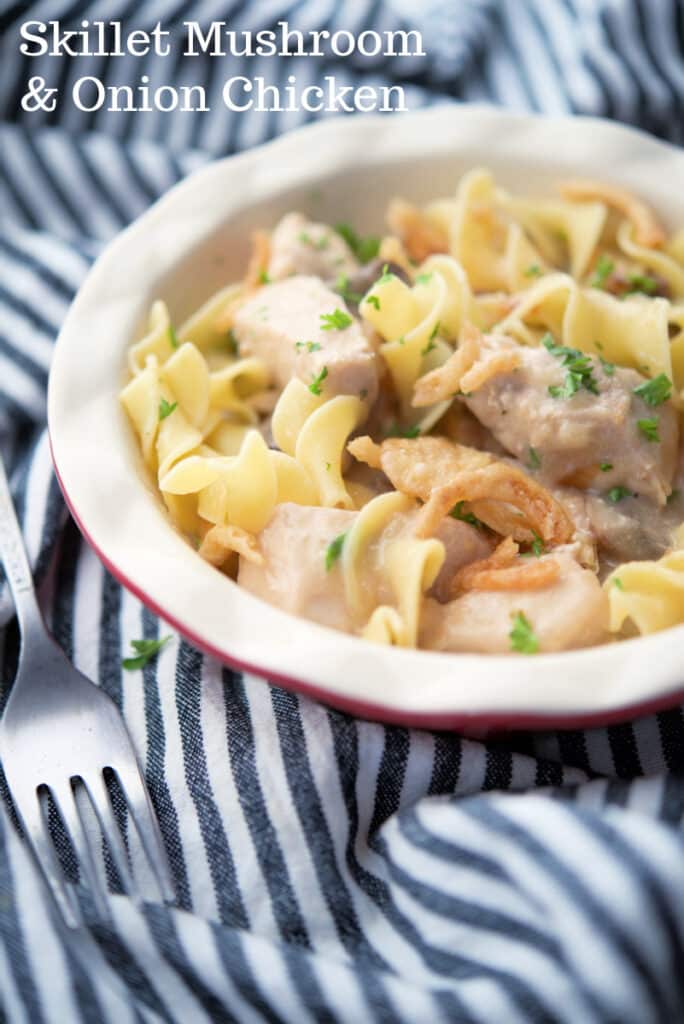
(232, 344)
(579, 369)
(655, 392)
(673, 495)
(534, 460)
(522, 635)
(616, 494)
(173, 337)
(409, 432)
(386, 275)
(317, 380)
(617, 582)
(428, 348)
(466, 517)
(327, 467)
(337, 321)
(264, 277)
(374, 301)
(534, 270)
(538, 548)
(606, 467)
(423, 279)
(435, 331)
(333, 551)
(602, 271)
(310, 346)
(166, 408)
(365, 249)
(342, 288)
(608, 368)
(145, 651)
(649, 429)
(644, 283)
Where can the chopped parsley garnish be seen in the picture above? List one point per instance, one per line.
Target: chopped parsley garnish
(263, 277)
(537, 545)
(173, 337)
(534, 270)
(602, 271)
(534, 460)
(522, 635)
(579, 369)
(327, 467)
(606, 467)
(645, 283)
(365, 249)
(608, 368)
(410, 432)
(374, 301)
(310, 346)
(232, 343)
(423, 279)
(333, 551)
(385, 276)
(616, 494)
(342, 288)
(145, 650)
(166, 408)
(336, 321)
(465, 517)
(317, 380)
(673, 495)
(428, 348)
(435, 331)
(322, 243)
(655, 392)
(617, 582)
(649, 429)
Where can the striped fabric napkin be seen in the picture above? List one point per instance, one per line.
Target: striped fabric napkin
(327, 869)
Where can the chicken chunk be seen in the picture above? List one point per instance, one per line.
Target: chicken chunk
(284, 324)
(300, 246)
(591, 437)
(294, 575)
(572, 612)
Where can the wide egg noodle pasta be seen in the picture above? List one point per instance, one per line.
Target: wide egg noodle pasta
(654, 260)
(649, 594)
(321, 444)
(245, 491)
(140, 398)
(367, 527)
(558, 225)
(296, 403)
(412, 566)
(157, 342)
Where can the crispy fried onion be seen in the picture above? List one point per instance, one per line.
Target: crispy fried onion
(442, 473)
(221, 541)
(419, 235)
(258, 261)
(466, 370)
(647, 229)
(500, 572)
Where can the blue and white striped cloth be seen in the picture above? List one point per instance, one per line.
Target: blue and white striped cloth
(327, 869)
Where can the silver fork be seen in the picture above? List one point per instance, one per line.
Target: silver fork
(58, 732)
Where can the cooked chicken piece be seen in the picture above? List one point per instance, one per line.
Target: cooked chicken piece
(300, 246)
(463, 544)
(572, 612)
(294, 576)
(284, 324)
(631, 530)
(570, 437)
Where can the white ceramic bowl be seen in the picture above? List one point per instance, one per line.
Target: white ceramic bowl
(194, 240)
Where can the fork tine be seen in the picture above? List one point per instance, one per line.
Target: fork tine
(33, 819)
(65, 801)
(97, 791)
(143, 814)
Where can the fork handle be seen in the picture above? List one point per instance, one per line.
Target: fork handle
(15, 563)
